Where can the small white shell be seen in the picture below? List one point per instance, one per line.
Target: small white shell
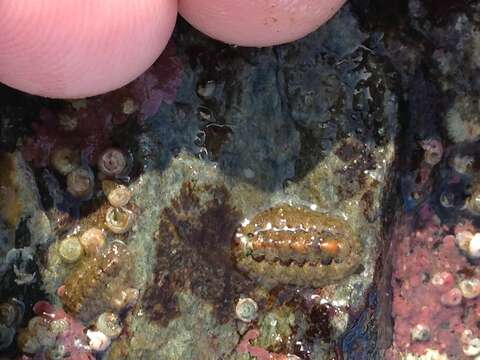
(109, 324)
(112, 162)
(119, 196)
(470, 288)
(119, 220)
(125, 298)
(129, 106)
(58, 326)
(70, 249)
(473, 202)
(463, 239)
(246, 309)
(11, 312)
(466, 336)
(462, 164)
(92, 240)
(98, 341)
(65, 160)
(80, 183)
(472, 348)
(474, 247)
(420, 332)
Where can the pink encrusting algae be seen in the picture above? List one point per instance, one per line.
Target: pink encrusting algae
(159, 84)
(429, 309)
(436, 247)
(257, 352)
(87, 127)
(69, 336)
(90, 135)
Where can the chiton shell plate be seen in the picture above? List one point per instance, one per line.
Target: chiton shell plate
(298, 246)
(91, 287)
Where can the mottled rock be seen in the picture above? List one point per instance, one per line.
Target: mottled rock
(313, 122)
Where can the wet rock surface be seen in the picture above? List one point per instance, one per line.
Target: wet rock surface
(327, 111)
(370, 120)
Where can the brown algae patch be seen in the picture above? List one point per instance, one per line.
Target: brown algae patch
(193, 254)
(297, 246)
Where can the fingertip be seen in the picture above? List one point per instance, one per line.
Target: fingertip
(80, 48)
(258, 23)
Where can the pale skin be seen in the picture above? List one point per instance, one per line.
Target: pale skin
(79, 48)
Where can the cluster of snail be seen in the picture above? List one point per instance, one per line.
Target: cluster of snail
(112, 164)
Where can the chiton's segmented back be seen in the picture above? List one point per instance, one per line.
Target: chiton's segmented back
(296, 245)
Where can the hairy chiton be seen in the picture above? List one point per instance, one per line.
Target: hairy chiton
(96, 283)
(296, 245)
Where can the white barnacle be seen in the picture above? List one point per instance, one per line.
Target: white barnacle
(246, 309)
(245, 222)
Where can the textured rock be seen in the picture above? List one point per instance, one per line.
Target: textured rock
(313, 122)
(219, 134)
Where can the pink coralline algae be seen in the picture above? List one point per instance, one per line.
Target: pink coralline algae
(258, 352)
(69, 339)
(453, 297)
(90, 135)
(87, 125)
(429, 278)
(158, 84)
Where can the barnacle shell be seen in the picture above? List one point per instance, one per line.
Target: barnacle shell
(295, 245)
(65, 160)
(462, 120)
(125, 298)
(92, 240)
(420, 332)
(11, 312)
(80, 183)
(98, 341)
(474, 247)
(433, 151)
(112, 162)
(472, 347)
(246, 309)
(119, 220)
(96, 280)
(70, 249)
(453, 297)
(36, 336)
(58, 326)
(129, 106)
(119, 196)
(67, 122)
(463, 239)
(470, 288)
(109, 324)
